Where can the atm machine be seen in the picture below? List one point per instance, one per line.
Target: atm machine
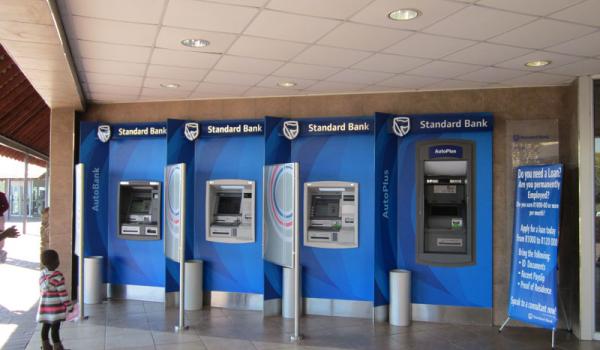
(445, 199)
(331, 214)
(139, 210)
(230, 208)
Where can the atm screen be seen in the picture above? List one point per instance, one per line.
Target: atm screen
(229, 204)
(325, 207)
(439, 210)
(139, 206)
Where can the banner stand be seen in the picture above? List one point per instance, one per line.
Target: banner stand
(553, 331)
(534, 295)
(79, 228)
(567, 321)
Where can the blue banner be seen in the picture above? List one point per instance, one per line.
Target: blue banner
(533, 284)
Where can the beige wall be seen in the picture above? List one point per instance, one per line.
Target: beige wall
(62, 126)
(505, 104)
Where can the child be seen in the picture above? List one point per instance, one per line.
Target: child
(54, 300)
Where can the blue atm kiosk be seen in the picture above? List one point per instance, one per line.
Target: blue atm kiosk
(445, 234)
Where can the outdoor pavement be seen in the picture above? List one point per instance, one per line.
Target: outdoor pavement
(145, 325)
(19, 291)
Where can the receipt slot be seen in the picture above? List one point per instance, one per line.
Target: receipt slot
(445, 234)
(139, 210)
(230, 211)
(331, 214)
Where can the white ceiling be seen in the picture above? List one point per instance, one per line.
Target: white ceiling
(125, 49)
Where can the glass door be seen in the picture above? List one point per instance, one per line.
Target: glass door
(16, 196)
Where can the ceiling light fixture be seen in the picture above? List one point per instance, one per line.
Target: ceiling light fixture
(286, 84)
(537, 63)
(404, 14)
(170, 86)
(195, 43)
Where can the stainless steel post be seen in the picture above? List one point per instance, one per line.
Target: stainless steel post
(181, 327)
(296, 258)
(79, 222)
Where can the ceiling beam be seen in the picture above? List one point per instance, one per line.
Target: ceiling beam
(60, 29)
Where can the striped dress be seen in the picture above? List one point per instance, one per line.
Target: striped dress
(54, 299)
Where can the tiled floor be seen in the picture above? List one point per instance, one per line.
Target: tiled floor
(144, 325)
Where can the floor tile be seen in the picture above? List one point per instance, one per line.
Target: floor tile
(215, 343)
(171, 337)
(182, 346)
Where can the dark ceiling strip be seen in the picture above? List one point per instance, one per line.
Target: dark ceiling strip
(42, 143)
(9, 78)
(17, 120)
(24, 118)
(5, 94)
(26, 97)
(41, 134)
(5, 65)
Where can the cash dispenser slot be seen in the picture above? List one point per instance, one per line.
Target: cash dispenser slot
(445, 235)
(139, 211)
(331, 214)
(229, 211)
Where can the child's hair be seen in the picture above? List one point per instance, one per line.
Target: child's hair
(49, 259)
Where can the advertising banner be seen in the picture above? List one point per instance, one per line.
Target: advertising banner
(279, 213)
(174, 208)
(533, 284)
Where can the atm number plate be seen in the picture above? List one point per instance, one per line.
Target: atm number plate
(444, 189)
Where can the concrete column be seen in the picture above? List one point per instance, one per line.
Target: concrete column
(62, 142)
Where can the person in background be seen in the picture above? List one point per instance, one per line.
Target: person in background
(3, 209)
(54, 300)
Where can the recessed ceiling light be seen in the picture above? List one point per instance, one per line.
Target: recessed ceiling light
(404, 14)
(196, 43)
(537, 63)
(286, 84)
(170, 86)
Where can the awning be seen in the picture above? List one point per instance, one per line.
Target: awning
(14, 169)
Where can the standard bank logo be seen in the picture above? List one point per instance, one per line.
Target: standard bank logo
(291, 129)
(104, 133)
(191, 131)
(401, 126)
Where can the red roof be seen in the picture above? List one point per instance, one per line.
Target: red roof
(24, 116)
